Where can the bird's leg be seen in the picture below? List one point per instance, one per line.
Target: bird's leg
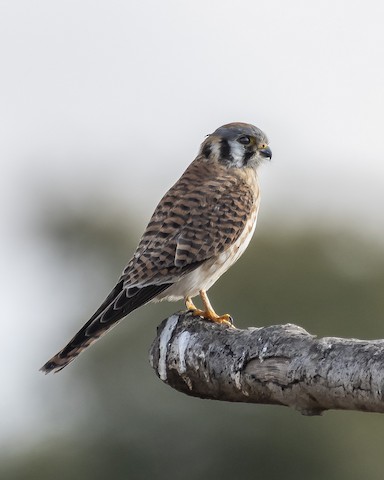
(189, 304)
(208, 311)
(211, 314)
(191, 307)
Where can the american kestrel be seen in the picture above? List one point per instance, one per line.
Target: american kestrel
(199, 229)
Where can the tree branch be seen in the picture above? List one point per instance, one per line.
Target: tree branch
(281, 364)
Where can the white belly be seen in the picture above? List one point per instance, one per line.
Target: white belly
(210, 271)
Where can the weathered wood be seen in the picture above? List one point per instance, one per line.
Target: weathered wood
(281, 364)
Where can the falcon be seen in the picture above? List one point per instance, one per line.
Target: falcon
(201, 226)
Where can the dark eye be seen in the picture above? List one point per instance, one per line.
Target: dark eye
(244, 140)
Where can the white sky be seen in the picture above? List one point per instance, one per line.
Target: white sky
(116, 96)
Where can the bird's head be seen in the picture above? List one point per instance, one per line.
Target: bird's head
(237, 145)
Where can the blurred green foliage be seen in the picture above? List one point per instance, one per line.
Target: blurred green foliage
(124, 423)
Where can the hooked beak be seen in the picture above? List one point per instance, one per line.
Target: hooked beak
(266, 152)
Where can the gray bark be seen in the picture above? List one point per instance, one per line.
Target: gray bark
(281, 364)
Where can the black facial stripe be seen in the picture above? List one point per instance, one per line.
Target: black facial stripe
(225, 150)
(207, 150)
(247, 156)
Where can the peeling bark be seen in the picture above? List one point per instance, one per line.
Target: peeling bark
(281, 364)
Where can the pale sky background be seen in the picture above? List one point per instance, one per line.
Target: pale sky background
(111, 99)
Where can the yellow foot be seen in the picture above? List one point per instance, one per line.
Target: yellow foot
(211, 315)
(208, 313)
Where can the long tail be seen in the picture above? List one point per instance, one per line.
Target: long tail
(119, 303)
